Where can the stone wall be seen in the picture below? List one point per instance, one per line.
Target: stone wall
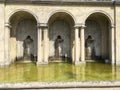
(93, 29)
(43, 12)
(63, 29)
(117, 34)
(2, 35)
(24, 29)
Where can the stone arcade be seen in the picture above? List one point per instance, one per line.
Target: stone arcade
(81, 29)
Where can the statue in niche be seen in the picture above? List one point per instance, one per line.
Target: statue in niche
(58, 46)
(28, 46)
(90, 49)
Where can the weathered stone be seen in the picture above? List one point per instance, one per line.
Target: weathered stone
(42, 15)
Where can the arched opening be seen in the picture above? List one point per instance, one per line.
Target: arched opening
(23, 36)
(61, 36)
(97, 37)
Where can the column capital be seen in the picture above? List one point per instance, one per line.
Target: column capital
(8, 25)
(83, 26)
(42, 25)
(112, 26)
(77, 25)
(38, 25)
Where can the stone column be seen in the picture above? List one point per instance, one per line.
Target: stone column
(7, 44)
(76, 55)
(112, 45)
(46, 49)
(82, 36)
(39, 57)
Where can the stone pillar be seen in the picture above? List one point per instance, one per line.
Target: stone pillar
(82, 36)
(46, 49)
(7, 44)
(112, 45)
(42, 27)
(76, 53)
(39, 57)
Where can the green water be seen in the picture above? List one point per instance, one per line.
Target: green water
(29, 72)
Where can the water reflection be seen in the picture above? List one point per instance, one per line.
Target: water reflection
(29, 72)
(116, 73)
(98, 71)
(80, 72)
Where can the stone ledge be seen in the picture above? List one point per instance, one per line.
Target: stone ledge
(5, 63)
(43, 85)
(79, 62)
(42, 63)
(68, 2)
(117, 63)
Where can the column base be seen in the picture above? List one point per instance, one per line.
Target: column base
(113, 63)
(117, 63)
(79, 62)
(42, 63)
(5, 63)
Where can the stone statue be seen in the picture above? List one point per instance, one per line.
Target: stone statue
(28, 46)
(89, 46)
(58, 47)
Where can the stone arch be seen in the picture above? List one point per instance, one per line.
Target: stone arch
(98, 25)
(102, 12)
(61, 24)
(19, 10)
(62, 11)
(24, 24)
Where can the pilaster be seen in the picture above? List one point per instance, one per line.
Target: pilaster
(39, 53)
(7, 60)
(112, 45)
(46, 49)
(82, 43)
(76, 53)
(43, 27)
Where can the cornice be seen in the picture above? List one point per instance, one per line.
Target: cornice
(59, 2)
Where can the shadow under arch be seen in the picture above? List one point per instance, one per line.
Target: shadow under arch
(61, 11)
(61, 25)
(98, 46)
(101, 12)
(11, 15)
(24, 24)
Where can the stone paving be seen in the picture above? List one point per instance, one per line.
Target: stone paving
(112, 85)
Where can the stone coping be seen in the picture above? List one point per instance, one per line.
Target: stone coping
(74, 84)
(62, 2)
(65, 2)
